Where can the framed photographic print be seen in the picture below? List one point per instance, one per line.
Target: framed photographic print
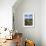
(28, 19)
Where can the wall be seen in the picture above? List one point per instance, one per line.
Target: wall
(6, 16)
(43, 22)
(32, 33)
(6, 13)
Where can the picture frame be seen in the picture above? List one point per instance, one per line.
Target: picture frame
(28, 19)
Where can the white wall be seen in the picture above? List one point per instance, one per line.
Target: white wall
(43, 22)
(6, 13)
(38, 33)
(28, 32)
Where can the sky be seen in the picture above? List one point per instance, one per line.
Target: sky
(28, 16)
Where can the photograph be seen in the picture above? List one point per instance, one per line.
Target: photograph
(28, 19)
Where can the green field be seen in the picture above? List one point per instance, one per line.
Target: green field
(28, 22)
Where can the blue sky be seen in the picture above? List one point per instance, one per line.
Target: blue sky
(28, 16)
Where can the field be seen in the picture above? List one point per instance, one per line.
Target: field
(28, 22)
